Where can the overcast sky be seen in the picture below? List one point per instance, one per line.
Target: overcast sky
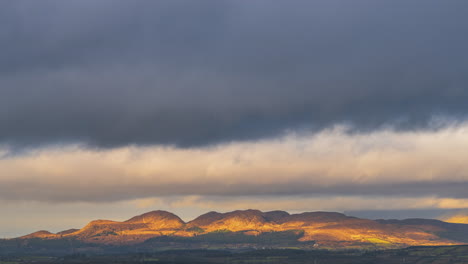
(192, 106)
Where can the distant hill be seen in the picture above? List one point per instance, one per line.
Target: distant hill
(251, 228)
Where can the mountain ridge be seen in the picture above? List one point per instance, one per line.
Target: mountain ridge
(324, 229)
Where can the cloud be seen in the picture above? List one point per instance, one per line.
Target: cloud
(304, 204)
(117, 73)
(330, 163)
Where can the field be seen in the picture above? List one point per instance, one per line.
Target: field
(416, 255)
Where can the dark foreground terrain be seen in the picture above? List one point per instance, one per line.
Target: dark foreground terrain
(419, 255)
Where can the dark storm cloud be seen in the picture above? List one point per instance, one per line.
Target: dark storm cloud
(112, 73)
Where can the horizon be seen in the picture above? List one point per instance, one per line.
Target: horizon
(112, 107)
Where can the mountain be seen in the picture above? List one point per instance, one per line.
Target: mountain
(40, 234)
(134, 230)
(275, 228)
(248, 220)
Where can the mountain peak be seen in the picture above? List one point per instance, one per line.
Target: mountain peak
(249, 213)
(158, 220)
(40, 234)
(156, 215)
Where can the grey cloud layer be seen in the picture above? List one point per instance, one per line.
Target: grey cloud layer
(113, 73)
(111, 192)
(330, 163)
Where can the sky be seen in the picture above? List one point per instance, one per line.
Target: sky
(111, 108)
